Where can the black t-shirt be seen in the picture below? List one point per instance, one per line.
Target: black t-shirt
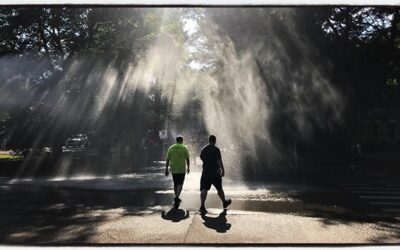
(210, 155)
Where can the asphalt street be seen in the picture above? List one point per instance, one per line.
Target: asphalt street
(137, 209)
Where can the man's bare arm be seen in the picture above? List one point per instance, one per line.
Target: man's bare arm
(166, 167)
(188, 165)
(221, 167)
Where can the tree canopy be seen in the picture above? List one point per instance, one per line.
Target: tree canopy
(70, 69)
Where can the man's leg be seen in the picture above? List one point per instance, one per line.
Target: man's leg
(203, 196)
(205, 185)
(225, 203)
(217, 182)
(178, 185)
(221, 195)
(175, 179)
(218, 185)
(178, 191)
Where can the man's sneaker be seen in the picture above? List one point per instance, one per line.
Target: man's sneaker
(203, 210)
(227, 203)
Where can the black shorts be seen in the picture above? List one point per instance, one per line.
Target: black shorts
(207, 181)
(178, 179)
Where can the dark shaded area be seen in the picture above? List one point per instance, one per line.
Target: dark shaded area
(219, 224)
(47, 215)
(9, 168)
(40, 220)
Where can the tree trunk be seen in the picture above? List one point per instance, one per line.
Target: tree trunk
(395, 29)
(42, 35)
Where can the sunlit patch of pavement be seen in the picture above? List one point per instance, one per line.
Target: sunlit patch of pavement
(121, 182)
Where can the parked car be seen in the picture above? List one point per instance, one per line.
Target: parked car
(77, 141)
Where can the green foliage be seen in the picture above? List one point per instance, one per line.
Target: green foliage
(362, 44)
(364, 40)
(59, 36)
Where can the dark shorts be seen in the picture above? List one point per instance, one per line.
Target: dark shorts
(178, 179)
(207, 181)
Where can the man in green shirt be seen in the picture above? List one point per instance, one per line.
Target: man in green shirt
(177, 156)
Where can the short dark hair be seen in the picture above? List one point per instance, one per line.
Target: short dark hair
(179, 139)
(212, 138)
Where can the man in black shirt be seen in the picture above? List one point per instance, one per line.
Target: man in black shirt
(213, 171)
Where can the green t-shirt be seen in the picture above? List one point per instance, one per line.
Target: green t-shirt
(177, 155)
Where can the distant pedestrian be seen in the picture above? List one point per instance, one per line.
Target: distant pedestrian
(213, 171)
(177, 156)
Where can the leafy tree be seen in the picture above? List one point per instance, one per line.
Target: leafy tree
(62, 36)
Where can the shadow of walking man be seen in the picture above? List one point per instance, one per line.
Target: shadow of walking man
(217, 223)
(175, 215)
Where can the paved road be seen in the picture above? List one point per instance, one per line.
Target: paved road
(136, 209)
(384, 196)
(380, 194)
